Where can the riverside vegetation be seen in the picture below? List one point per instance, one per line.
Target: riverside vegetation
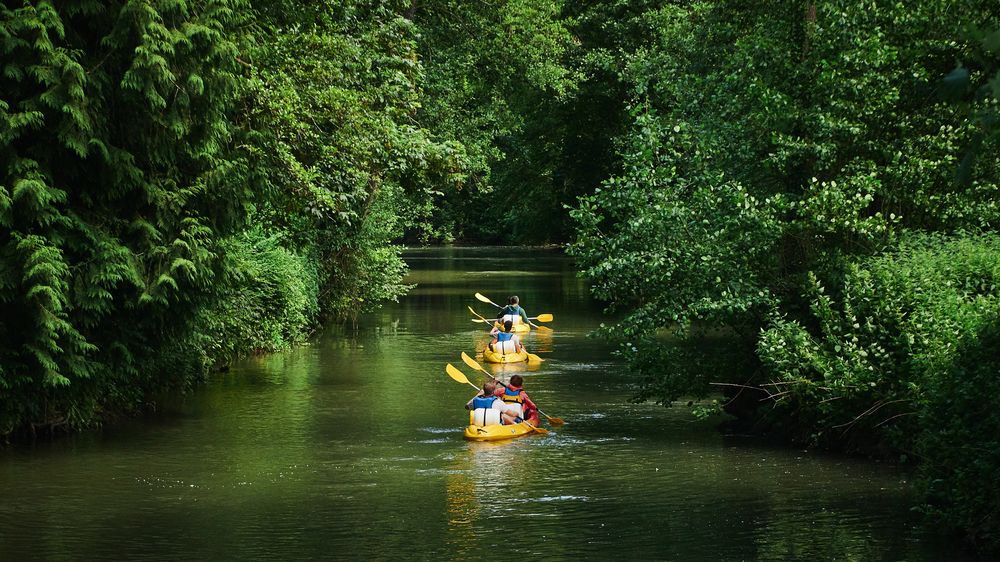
(791, 201)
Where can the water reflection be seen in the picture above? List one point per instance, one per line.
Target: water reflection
(351, 447)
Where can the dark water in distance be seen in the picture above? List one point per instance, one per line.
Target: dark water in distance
(351, 447)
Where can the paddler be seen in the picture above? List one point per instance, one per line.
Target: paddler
(505, 341)
(516, 401)
(513, 312)
(488, 409)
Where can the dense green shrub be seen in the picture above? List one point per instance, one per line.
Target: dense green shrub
(270, 302)
(904, 358)
(959, 446)
(900, 321)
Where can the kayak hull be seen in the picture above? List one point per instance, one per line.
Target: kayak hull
(491, 357)
(497, 432)
(521, 328)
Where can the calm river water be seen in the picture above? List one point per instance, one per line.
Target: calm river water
(351, 447)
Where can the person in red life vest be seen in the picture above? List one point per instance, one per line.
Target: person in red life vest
(487, 408)
(516, 401)
(505, 341)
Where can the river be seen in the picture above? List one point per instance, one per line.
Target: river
(351, 447)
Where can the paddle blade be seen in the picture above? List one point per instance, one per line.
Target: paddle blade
(472, 362)
(532, 358)
(555, 421)
(543, 328)
(540, 430)
(482, 298)
(476, 314)
(454, 373)
(543, 318)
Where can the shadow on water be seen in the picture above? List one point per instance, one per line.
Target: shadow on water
(351, 447)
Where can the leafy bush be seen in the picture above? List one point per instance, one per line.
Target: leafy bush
(271, 300)
(959, 446)
(861, 363)
(903, 358)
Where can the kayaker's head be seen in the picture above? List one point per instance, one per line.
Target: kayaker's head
(517, 381)
(507, 325)
(512, 300)
(489, 387)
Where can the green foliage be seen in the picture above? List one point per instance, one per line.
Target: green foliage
(335, 146)
(901, 358)
(769, 145)
(182, 184)
(115, 195)
(271, 300)
(960, 447)
(498, 80)
(782, 158)
(900, 320)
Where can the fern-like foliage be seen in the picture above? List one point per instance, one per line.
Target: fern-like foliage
(115, 153)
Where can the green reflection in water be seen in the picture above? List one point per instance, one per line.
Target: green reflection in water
(351, 447)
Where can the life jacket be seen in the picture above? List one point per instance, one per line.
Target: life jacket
(483, 413)
(483, 402)
(505, 343)
(512, 395)
(513, 402)
(510, 312)
(504, 347)
(515, 319)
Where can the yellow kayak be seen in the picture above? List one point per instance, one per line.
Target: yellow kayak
(516, 328)
(491, 357)
(497, 432)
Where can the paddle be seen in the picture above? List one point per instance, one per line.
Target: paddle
(482, 298)
(460, 377)
(540, 318)
(531, 356)
(472, 363)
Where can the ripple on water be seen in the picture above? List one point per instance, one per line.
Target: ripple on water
(440, 430)
(551, 499)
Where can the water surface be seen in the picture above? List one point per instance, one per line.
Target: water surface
(351, 447)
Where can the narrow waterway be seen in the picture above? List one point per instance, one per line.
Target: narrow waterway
(351, 447)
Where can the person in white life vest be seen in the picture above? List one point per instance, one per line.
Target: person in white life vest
(505, 341)
(487, 408)
(513, 312)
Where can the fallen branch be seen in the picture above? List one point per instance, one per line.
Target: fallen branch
(894, 417)
(878, 405)
(769, 396)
